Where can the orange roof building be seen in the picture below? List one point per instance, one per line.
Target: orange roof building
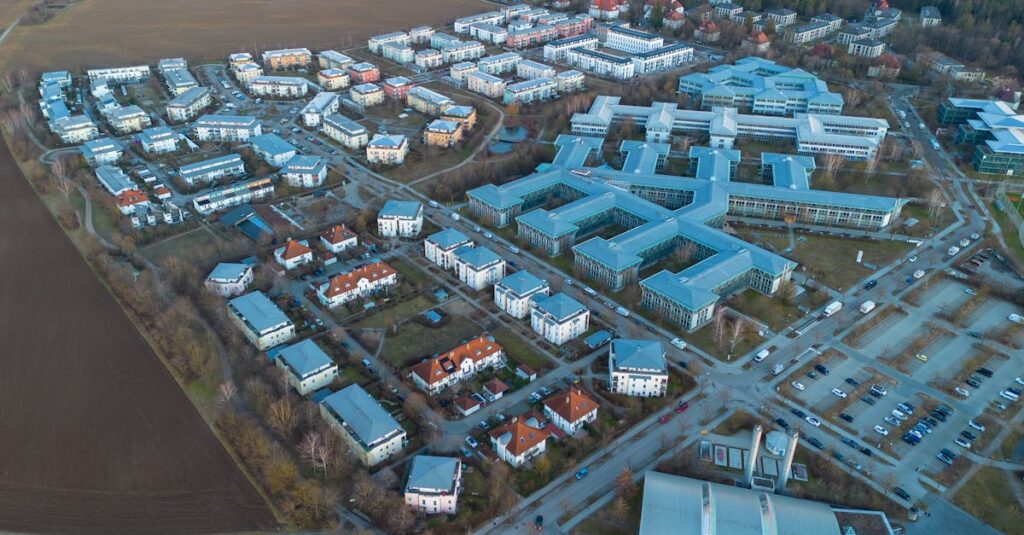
(437, 373)
(294, 254)
(570, 409)
(127, 199)
(338, 238)
(357, 283)
(519, 441)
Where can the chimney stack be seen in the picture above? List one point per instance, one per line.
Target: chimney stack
(755, 445)
(787, 461)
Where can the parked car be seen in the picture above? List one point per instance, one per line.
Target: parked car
(962, 391)
(901, 493)
(813, 421)
(892, 421)
(839, 393)
(968, 435)
(782, 423)
(852, 382)
(821, 369)
(962, 443)
(581, 473)
(815, 442)
(846, 417)
(472, 442)
(869, 400)
(798, 413)
(881, 430)
(682, 407)
(878, 390)
(797, 385)
(977, 426)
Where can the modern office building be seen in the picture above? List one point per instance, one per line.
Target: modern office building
(995, 127)
(761, 87)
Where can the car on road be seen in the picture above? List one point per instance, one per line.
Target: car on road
(798, 385)
(901, 493)
(538, 522)
(881, 430)
(484, 425)
(589, 291)
(472, 442)
(682, 407)
(922, 357)
(813, 421)
(678, 343)
(846, 417)
(962, 391)
(782, 423)
(815, 442)
(570, 282)
(798, 413)
(962, 443)
(912, 259)
(581, 473)
(488, 235)
(839, 393)
(974, 334)
(892, 421)
(871, 284)
(977, 426)
(622, 312)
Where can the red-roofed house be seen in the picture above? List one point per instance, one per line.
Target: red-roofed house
(496, 388)
(467, 405)
(338, 238)
(604, 9)
(437, 373)
(293, 254)
(569, 409)
(707, 32)
(674, 20)
(520, 440)
(357, 283)
(757, 43)
(127, 200)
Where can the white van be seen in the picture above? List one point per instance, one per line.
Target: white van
(761, 355)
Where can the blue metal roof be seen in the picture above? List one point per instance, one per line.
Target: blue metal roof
(272, 144)
(367, 420)
(477, 257)
(228, 271)
(448, 238)
(258, 311)
(396, 208)
(559, 306)
(641, 355)
(305, 359)
(522, 282)
(431, 473)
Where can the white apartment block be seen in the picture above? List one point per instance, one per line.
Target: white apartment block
(463, 51)
(428, 59)
(782, 17)
(485, 84)
(333, 79)
(530, 91)
(279, 86)
(213, 169)
(530, 70)
(400, 219)
(463, 24)
(303, 171)
(440, 247)
(114, 180)
(559, 318)
(461, 71)
(120, 75)
(632, 41)
(102, 151)
(227, 128)
(434, 484)
(179, 80)
(75, 129)
(233, 195)
(187, 105)
(376, 42)
(320, 106)
(128, 119)
(488, 33)
(387, 149)
(601, 63)
(247, 72)
(260, 320)
(158, 140)
(228, 279)
(637, 368)
(570, 81)
(515, 293)
(662, 59)
(400, 54)
(306, 366)
(432, 375)
(557, 50)
(478, 267)
(349, 133)
(499, 63)
(367, 95)
(420, 35)
(238, 59)
(369, 430)
(361, 282)
(866, 48)
(332, 59)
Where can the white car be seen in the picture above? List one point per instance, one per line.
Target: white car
(962, 391)
(912, 259)
(977, 426)
(964, 243)
(1016, 318)
(589, 290)
(797, 385)
(839, 392)
(813, 421)
(488, 235)
(899, 415)
(570, 282)
(472, 442)
(975, 236)
(1019, 380)
(679, 343)
(962, 443)
(881, 431)
(918, 274)
(1006, 394)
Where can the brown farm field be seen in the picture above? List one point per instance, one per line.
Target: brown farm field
(118, 32)
(98, 437)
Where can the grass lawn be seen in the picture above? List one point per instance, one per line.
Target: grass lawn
(774, 311)
(704, 338)
(102, 220)
(519, 350)
(832, 261)
(552, 463)
(610, 520)
(415, 340)
(386, 317)
(989, 497)
(1010, 443)
(410, 272)
(1009, 233)
(186, 241)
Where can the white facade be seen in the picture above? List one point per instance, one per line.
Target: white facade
(333, 79)
(632, 41)
(361, 282)
(515, 294)
(519, 441)
(463, 51)
(529, 70)
(461, 71)
(129, 119)
(463, 24)
(428, 59)
(434, 485)
(187, 105)
(369, 430)
(401, 219)
(499, 63)
(262, 323)
(229, 279)
(557, 50)
(305, 171)
(120, 75)
(559, 318)
(75, 129)
(323, 104)
(158, 140)
(440, 247)
(489, 33)
(601, 63)
(376, 42)
(233, 195)
(338, 238)
(306, 366)
(293, 254)
(478, 267)
(387, 149)
(279, 86)
(345, 131)
(367, 95)
(227, 128)
(485, 84)
(637, 368)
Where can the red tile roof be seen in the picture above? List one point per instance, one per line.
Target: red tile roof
(495, 386)
(294, 249)
(131, 197)
(345, 282)
(337, 234)
(466, 403)
(523, 437)
(571, 404)
(758, 38)
(441, 366)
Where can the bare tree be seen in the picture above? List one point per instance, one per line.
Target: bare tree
(59, 170)
(871, 169)
(718, 323)
(935, 202)
(281, 416)
(853, 97)
(227, 391)
(831, 163)
(735, 333)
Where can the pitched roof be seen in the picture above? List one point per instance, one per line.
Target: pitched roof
(438, 368)
(495, 386)
(345, 282)
(465, 402)
(294, 249)
(430, 472)
(363, 414)
(519, 436)
(571, 404)
(305, 358)
(337, 234)
(131, 197)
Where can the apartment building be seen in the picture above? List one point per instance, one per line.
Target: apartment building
(427, 101)
(485, 84)
(397, 88)
(463, 51)
(189, 104)
(557, 50)
(559, 318)
(273, 149)
(782, 17)
(363, 73)
(478, 267)
(466, 115)
(246, 73)
(211, 170)
(229, 279)
(866, 48)
(461, 71)
(434, 484)
(369, 430)
(662, 59)
(323, 104)
(601, 63)
(128, 119)
(531, 37)
(530, 70)
(120, 75)
(440, 247)
(420, 35)
(101, 151)
(227, 128)
(338, 238)
(158, 140)
(441, 40)
(359, 283)
(499, 63)
(400, 219)
(237, 194)
(305, 171)
(333, 79)
(632, 41)
(279, 86)
(515, 293)
(400, 54)
(930, 16)
(367, 95)
(435, 374)
(488, 33)
(441, 133)
(332, 59)
(428, 59)
(114, 180)
(306, 366)
(385, 149)
(345, 131)
(637, 368)
(377, 42)
(238, 59)
(530, 91)
(289, 58)
(260, 320)
(463, 24)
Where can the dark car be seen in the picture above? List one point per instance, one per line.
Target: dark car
(944, 410)
(974, 334)
(815, 442)
(984, 371)
(812, 375)
(846, 417)
(968, 435)
(850, 442)
(972, 383)
(931, 421)
(871, 284)
(869, 400)
(939, 416)
(866, 451)
(782, 423)
(910, 439)
(838, 456)
(852, 382)
(821, 369)
(798, 413)
(948, 453)
(901, 493)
